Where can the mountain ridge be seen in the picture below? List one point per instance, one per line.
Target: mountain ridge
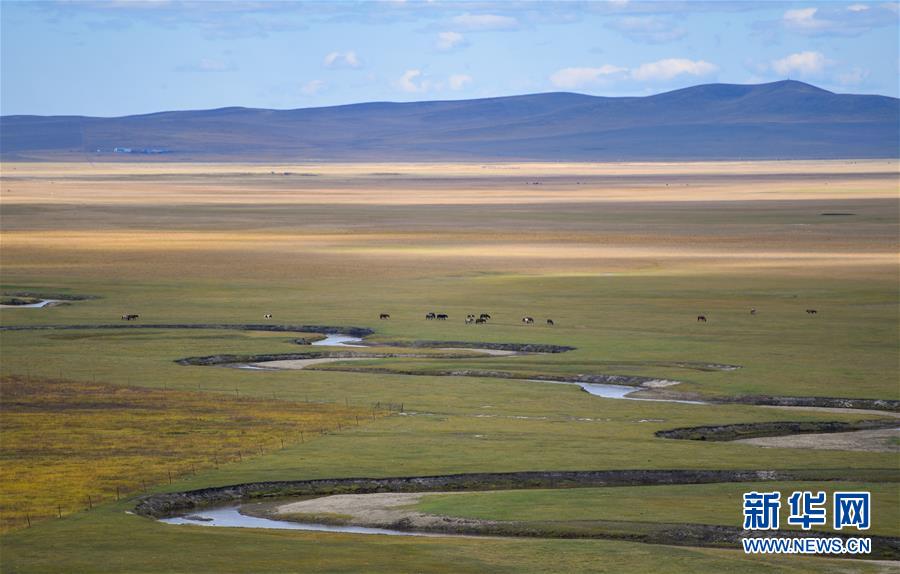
(779, 120)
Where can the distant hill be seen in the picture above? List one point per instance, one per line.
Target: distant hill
(780, 120)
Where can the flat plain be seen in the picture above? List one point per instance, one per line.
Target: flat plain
(622, 257)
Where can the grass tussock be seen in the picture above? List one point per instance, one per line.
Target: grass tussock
(71, 445)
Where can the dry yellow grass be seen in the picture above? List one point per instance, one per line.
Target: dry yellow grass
(69, 445)
(443, 184)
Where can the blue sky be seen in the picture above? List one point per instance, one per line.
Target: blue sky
(110, 58)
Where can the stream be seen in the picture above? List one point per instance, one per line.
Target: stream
(230, 516)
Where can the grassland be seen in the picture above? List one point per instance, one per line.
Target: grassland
(69, 445)
(701, 504)
(620, 260)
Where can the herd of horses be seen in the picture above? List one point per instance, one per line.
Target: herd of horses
(703, 319)
(479, 320)
(471, 319)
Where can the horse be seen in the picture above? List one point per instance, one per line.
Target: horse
(484, 316)
(441, 317)
(130, 317)
(811, 311)
(701, 318)
(384, 316)
(267, 316)
(430, 316)
(753, 310)
(480, 321)
(528, 320)
(550, 322)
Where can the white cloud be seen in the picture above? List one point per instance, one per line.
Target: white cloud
(853, 77)
(802, 63)
(414, 81)
(449, 40)
(570, 78)
(312, 87)
(347, 59)
(485, 22)
(833, 20)
(672, 67)
(802, 18)
(459, 81)
(408, 82)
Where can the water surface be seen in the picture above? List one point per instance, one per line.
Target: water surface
(230, 517)
(339, 341)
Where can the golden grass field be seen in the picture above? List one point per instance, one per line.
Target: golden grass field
(70, 445)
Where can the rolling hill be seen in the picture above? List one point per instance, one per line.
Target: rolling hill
(780, 120)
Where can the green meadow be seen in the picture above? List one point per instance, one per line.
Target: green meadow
(623, 281)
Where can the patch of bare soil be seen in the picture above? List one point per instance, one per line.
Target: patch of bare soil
(879, 440)
(301, 363)
(378, 510)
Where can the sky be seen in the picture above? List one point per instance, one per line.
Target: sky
(121, 57)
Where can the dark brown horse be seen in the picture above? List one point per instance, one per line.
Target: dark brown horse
(384, 316)
(701, 318)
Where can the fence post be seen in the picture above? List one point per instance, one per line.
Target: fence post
(117, 493)
(59, 510)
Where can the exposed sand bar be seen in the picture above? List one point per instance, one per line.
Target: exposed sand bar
(301, 363)
(881, 440)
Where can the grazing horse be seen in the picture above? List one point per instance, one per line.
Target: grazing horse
(811, 311)
(480, 321)
(701, 318)
(753, 310)
(484, 316)
(470, 319)
(550, 322)
(130, 317)
(384, 316)
(430, 316)
(528, 320)
(268, 316)
(441, 316)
